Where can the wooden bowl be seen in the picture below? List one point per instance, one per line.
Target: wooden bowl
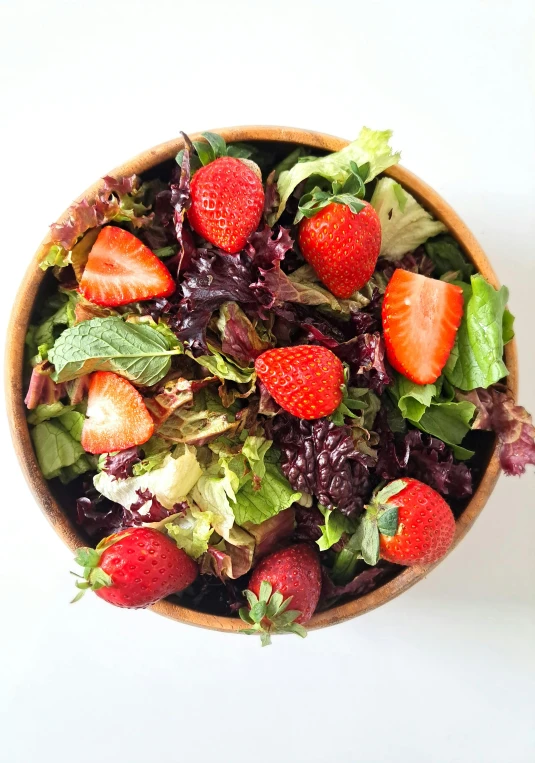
(20, 319)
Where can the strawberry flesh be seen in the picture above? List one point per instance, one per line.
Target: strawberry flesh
(121, 269)
(117, 417)
(421, 316)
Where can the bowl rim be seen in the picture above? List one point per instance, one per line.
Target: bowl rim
(14, 361)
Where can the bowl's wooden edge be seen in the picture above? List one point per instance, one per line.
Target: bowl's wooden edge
(20, 317)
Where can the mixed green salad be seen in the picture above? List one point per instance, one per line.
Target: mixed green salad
(237, 352)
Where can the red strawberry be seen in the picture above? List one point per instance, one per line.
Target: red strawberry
(135, 568)
(121, 269)
(117, 417)
(420, 320)
(291, 576)
(304, 380)
(425, 523)
(342, 246)
(227, 200)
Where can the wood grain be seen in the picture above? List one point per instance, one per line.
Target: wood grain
(15, 353)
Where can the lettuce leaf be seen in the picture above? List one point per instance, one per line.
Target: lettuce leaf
(404, 223)
(371, 147)
(447, 257)
(477, 356)
(257, 504)
(336, 524)
(427, 408)
(191, 531)
(223, 368)
(169, 484)
(58, 313)
(239, 338)
(56, 439)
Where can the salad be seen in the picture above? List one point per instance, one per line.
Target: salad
(265, 379)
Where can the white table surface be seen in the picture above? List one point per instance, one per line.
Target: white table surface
(444, 673)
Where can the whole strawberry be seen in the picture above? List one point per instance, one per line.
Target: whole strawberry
(291, 576)
(342, 246)
(135, 568)
(227, 199)
(407, 523)
(305, 380)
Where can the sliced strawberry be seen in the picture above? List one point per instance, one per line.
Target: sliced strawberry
(121, 269)
(117, 417)
(420, 319)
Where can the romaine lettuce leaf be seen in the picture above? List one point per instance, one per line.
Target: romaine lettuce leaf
(57, 443)
(477, 356)
(429, 409)
(371, 147)
(169, 484)
(447, 257)
(256, 504)
(404, 223)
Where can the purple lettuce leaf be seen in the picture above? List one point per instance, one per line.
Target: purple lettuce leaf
(320, 458)
(422, 457)
(153, 512)
(42, 390)
(114, 201)
(239, 338)
(512, 424)
(121, 464)
(366, 580)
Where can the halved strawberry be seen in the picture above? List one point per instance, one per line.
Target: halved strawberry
(420, 320)
(121, 269)
(117, 417)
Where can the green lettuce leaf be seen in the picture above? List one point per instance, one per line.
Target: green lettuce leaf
(170, 483)
(371, 147)
(57, 314)
(191, 531)
(429, 408)
(58, 452)
(253, 504)
(336, 524)
(254, 449)
(404, 223)
(447, 257)
(220, 366)
(477, 356)
(138, 352)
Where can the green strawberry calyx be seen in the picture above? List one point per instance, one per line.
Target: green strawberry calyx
(348, 404)
(380, 518)
(93, 577)
(269, 613)
(213, 147)
(350, 193)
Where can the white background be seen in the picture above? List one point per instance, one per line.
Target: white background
(444, 673)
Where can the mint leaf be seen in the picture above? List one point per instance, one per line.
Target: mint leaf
(477, 357)
(274, 495)
(136, 351)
